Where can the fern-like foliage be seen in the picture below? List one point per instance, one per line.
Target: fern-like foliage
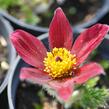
(92, 98)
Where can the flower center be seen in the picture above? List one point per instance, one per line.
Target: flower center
(60, 63)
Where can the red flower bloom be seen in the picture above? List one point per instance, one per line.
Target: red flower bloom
(62, 67)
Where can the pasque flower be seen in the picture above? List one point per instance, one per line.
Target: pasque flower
(63, 66)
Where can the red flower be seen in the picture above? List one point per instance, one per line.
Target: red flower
(62, 67)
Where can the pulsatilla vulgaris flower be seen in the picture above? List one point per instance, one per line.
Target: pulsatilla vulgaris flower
(62, 67)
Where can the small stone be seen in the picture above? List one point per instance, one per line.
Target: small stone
(4, 65)
(3, 42)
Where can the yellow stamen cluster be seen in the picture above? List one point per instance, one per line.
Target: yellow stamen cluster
(59, 63)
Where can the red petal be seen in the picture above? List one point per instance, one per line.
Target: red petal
(88, 41)
(34, 75)
(63, 88)
(88, 71)
(29, 48)
(65, 92)
(60, 33)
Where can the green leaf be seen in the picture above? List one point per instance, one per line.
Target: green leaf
(105, 63)
(92, 82)
(94, 54)
(93, 98)
(38, 106)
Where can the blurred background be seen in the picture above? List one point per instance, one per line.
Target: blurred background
(36, 15)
